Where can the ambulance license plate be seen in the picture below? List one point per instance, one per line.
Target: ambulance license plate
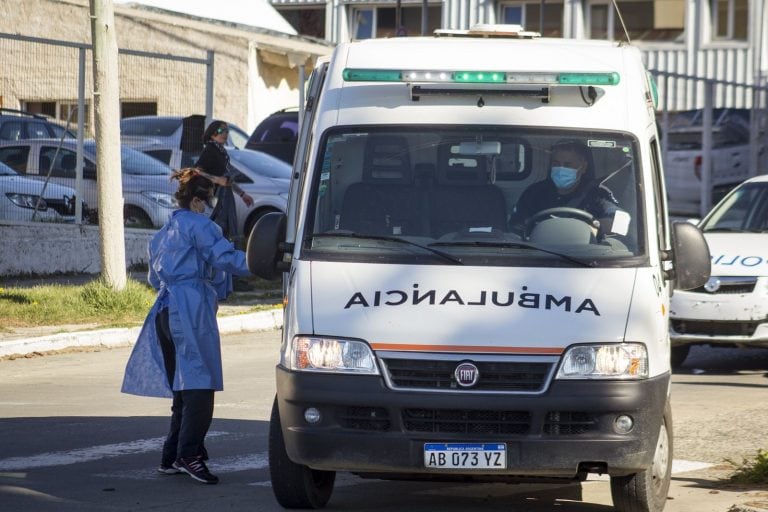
(465, 455)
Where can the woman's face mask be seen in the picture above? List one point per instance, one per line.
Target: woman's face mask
(564, 177)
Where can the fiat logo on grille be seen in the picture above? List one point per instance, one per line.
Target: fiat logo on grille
(466, 375)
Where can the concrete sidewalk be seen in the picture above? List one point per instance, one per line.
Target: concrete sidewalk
(38, 340)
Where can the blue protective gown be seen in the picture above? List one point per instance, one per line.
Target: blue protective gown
(188, 259)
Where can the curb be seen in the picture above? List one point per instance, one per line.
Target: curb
(250, 322)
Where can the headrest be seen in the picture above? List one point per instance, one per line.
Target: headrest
(387, 160)
(68, 162)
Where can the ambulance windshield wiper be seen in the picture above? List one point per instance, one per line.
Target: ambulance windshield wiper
(349, 234)
(480, 243)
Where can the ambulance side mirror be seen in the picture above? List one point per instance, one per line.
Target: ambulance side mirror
(266, 246)
(691, 261)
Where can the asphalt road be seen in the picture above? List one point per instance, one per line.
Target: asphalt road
(70, 441)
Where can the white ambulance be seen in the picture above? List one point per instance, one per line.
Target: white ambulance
(477, 265)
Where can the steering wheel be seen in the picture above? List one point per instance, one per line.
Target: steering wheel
(560, 211)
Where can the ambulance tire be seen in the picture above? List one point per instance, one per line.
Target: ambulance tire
(295, 485)
(678, 355)
(647, 490)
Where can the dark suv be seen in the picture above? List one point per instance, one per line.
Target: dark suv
(18, 125)
(277, 135)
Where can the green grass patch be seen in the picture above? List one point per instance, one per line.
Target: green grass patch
(94, 302)
(752, 471)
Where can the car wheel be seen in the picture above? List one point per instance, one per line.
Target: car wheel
(678, 355)
(295, 485)
(252, 220)
(646, 491)
(134, 217)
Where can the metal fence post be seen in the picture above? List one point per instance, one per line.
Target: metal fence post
(209, 87)
(80, 136)
(706, 149)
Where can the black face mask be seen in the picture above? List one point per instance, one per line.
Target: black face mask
(206, 195)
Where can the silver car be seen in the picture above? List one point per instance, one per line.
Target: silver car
(174, 140)
(147, 190)
(266, 179)
(23, 199)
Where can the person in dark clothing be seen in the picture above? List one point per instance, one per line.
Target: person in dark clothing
(178, 351)
(571, 183)
(214, 162)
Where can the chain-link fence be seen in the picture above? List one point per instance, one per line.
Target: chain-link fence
(710, 149)
(47, 148)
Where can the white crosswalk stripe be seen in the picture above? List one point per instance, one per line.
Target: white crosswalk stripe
(66, 457)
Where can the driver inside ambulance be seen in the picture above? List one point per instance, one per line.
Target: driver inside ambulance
(571, 183)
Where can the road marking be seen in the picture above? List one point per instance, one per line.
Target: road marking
(64, 458)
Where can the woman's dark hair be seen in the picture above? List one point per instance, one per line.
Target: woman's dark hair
(191, 185)
(215, 125)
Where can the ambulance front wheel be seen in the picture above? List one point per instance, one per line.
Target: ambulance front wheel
(647, 490)
(295, 485)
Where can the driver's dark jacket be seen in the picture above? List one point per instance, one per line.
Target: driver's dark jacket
(593, 198)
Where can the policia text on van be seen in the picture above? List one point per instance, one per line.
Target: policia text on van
(477, 265)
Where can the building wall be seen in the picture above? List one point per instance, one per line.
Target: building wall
(178, 88)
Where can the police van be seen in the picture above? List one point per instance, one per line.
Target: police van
(477, 265)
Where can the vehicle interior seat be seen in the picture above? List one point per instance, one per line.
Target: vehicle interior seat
(68, 163)
(383, 202)
(45, 164)
(463, 199)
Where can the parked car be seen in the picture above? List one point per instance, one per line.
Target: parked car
(174, 140)
(20, 197)
(684, 157)
(19, 124)
(277, 135)
(732, 307)
(266, 179)
(147, 190)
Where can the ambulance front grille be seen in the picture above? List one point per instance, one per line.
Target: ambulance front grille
(565, 423)
(427, 374)
(364, 418)
(459, 421)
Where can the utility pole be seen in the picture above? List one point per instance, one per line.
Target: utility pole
(106, 102)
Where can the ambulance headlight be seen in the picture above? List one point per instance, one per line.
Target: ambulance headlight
(331, 355)
(608, 361)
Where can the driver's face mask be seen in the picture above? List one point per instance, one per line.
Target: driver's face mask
(564, 177)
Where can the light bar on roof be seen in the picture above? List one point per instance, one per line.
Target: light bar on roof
(480, 77)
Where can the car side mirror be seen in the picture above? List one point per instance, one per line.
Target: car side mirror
(266, 246)
(690, 256)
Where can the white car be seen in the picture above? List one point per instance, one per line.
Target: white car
(266, 179)
(147, 191)
(683, 158)
(20, 197)
(732, 307)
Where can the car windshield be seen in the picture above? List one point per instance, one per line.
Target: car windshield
(237, 137)
(136, 162)
(149, 126)
(7, 171)
(479, 195)
(743, 210)
(262, 163)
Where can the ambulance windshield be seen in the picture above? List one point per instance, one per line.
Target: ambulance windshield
(477, 196)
